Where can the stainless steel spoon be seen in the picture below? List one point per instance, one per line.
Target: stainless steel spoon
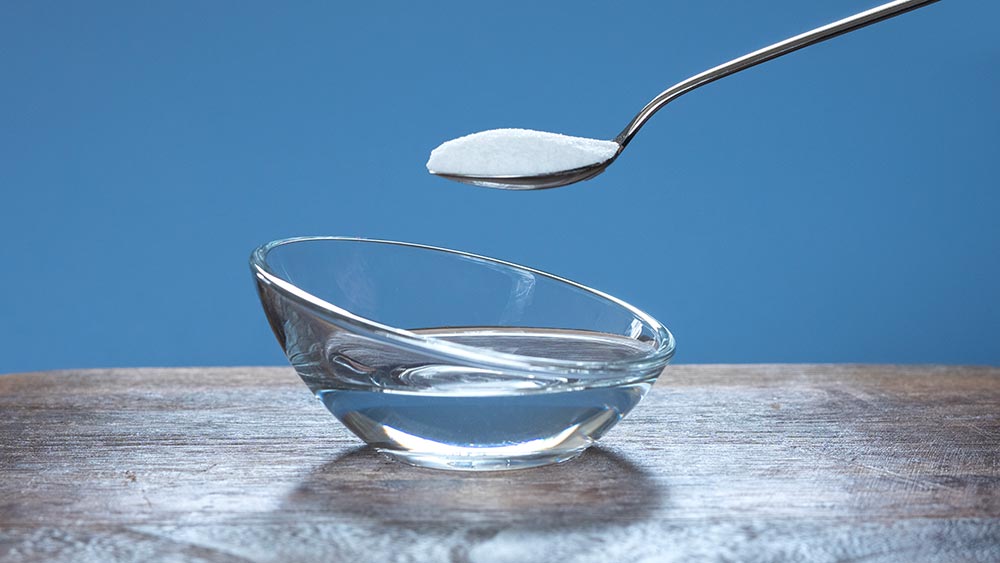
(565, 177)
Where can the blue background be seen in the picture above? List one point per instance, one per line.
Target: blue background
(836, 205)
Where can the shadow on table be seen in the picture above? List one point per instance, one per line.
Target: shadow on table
(598, 488)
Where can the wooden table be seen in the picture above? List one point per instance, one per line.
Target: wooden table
(736, 463)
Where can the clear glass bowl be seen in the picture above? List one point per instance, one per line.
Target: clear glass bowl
(450, 360)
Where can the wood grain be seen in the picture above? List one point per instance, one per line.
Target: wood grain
(727, 463)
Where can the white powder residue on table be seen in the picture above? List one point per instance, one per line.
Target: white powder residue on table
(517, 152)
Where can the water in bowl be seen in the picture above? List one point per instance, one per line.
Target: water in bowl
(457, 417)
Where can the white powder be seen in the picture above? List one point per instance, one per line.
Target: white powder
(517, 152)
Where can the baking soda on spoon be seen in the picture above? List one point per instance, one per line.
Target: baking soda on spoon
(518, 152)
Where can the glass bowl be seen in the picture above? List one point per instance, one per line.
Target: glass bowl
(450, 360)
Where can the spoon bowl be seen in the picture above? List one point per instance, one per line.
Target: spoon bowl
(536, 182)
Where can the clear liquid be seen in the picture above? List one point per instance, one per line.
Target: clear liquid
(458, 417)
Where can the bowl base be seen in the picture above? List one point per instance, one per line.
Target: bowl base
(481, 462)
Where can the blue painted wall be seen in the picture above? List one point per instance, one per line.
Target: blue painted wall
(837, 205)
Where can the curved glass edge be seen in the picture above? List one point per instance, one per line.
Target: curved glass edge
(625, 370)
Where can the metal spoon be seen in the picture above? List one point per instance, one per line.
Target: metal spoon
(565, 177)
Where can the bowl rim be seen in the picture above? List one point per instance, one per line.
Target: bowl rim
(657, 358)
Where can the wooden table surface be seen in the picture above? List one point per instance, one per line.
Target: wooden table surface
(733, 463)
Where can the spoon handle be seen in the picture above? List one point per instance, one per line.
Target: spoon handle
(829, 31)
